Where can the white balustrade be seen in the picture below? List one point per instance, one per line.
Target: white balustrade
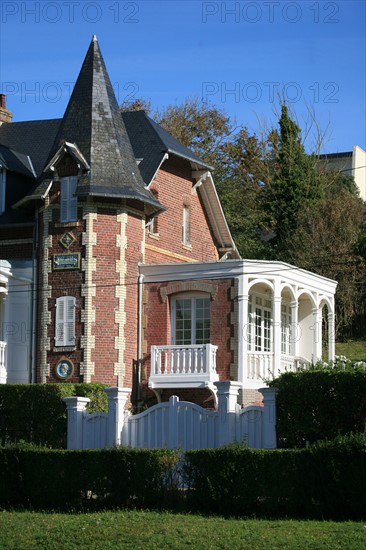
(194, 364)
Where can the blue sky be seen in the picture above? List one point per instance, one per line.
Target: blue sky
(237, 55)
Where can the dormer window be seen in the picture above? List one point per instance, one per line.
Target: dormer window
(2, 190)
(68, 209)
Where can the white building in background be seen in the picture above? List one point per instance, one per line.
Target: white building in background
(351, 162)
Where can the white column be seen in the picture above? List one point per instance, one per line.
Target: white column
(277, 329)
(269, 437)
(117, 398)
(76, 409)
(317, 342)
(243, 300)
(331, 336)
(295, 333)
(227, 395)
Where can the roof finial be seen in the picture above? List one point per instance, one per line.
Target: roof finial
(95, 39)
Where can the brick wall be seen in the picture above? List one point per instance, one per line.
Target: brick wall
(157, 326)
(173, 186)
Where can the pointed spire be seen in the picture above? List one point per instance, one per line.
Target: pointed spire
(94, 124)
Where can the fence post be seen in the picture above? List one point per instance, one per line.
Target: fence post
(173, 422)
(76, 408)
(117, 398)
(227, 397)
(269, 437)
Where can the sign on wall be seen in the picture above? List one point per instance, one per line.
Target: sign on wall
(66, 261)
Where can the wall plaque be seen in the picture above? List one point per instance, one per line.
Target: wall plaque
(66, 261)
(64, 368)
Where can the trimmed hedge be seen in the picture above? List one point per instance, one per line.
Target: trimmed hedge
(326, 480)
(36, 414)
(53, 479)
(319, 404)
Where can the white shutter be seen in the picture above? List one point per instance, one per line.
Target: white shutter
(70, 321)
(65, 321)
(60, 321)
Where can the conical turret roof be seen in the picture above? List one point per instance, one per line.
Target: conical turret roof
(93, 123)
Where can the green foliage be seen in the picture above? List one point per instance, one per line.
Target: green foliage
(325, 480)
(320, 404)
(59, 479)
(36, 413)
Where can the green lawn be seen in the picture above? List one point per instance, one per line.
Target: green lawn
(150, 530)
(353, 349)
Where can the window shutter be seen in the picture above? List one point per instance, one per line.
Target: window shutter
(60, 321)
(65, 321)
(69, 202)
(70, 321)
(73, 212)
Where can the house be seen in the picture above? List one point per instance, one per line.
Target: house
(352, 163)
(117, 264)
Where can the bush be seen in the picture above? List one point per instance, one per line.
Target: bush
(36, 413)
(319, 404)
(58, 479)
(325, 480)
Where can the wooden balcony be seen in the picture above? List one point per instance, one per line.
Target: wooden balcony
(183, 366)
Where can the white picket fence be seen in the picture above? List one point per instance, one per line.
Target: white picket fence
(174, 424)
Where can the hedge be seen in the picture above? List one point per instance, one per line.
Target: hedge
(57, 479)
(319, 404)
(325, 480)
(36, 413)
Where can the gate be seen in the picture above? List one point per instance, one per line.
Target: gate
(174, 424)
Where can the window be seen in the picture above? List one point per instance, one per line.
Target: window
(153, 225)
(186, 225)
(190, 320)
(260, 323)
(68, 212)
(2, 190)
(286, 329)
(65, 321)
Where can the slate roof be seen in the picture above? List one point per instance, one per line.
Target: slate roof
(150, 142)
(32, 138)
(92, 122)
(16, 162)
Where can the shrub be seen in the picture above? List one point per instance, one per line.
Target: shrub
(36, 413)
(320, 404)
(324, 480)
(59, 479)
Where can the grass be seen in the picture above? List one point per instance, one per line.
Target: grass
(352, 349)
(150, 530)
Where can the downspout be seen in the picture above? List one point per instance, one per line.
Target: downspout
(139, 340)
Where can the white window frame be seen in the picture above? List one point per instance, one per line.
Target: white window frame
(2, 189)
(193, 297)
(286, 320)
(65, 321)
(186, 225)
(68, 200)
(260, 323)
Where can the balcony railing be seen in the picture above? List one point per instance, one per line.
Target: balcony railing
(2, 363)
(183, 366)
(260, 365)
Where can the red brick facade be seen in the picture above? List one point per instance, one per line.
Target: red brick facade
(174, 188)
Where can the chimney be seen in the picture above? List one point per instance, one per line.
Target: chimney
(5, 115)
